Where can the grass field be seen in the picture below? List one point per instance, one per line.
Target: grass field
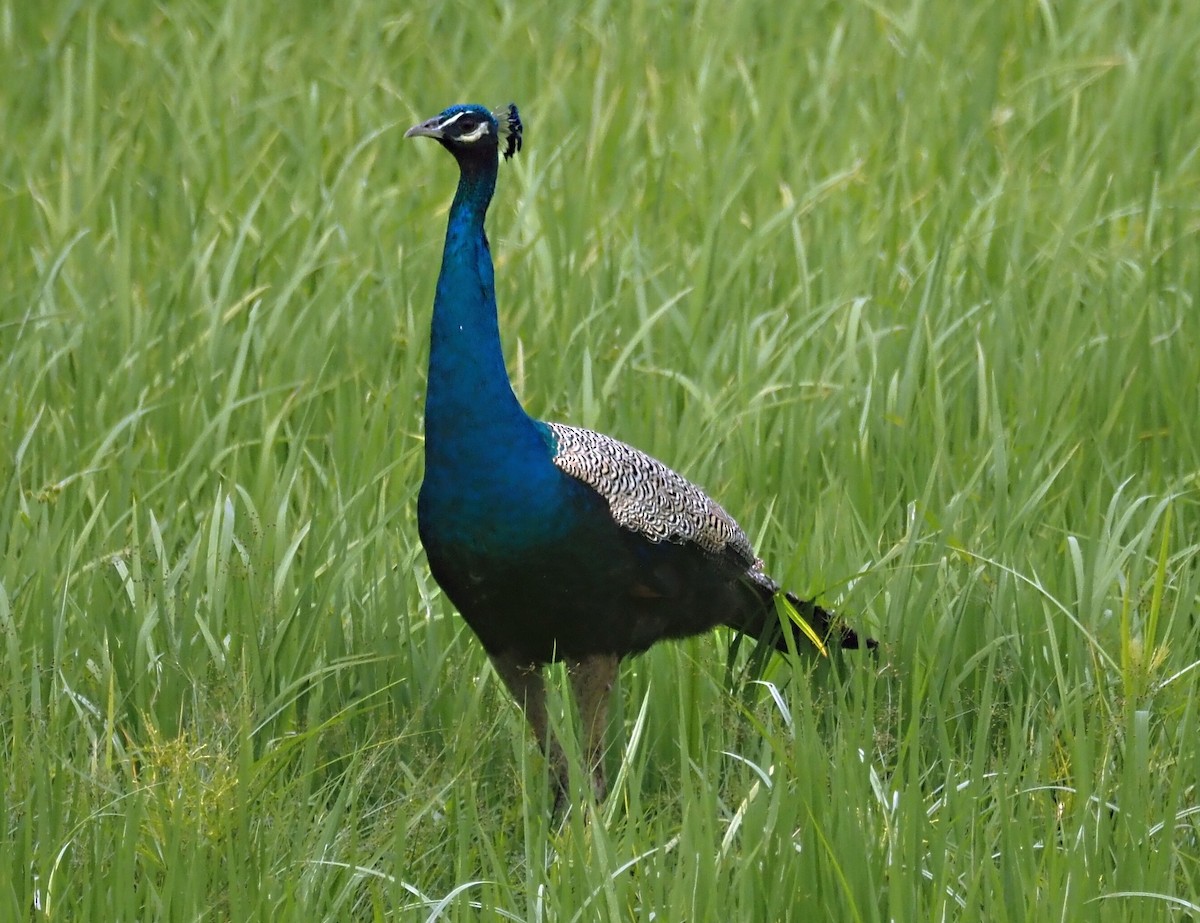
(910, 287)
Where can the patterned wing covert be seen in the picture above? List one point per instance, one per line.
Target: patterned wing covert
(647, 497)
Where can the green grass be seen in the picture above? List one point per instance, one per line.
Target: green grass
(911, 287)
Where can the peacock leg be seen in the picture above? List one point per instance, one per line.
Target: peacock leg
(592, 681)
(528, 688)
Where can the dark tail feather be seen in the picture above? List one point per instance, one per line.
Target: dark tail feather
(826, 625)
(763, 624)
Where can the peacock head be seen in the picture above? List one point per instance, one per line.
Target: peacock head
(466, 128)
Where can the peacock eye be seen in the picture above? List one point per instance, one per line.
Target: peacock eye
(470, 130)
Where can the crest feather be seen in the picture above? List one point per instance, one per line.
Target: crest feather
(511, 129)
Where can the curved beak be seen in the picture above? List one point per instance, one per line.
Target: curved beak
(431, 128)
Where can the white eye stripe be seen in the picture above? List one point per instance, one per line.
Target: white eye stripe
(450, 121)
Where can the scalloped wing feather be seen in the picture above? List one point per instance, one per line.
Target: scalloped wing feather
(647, 497)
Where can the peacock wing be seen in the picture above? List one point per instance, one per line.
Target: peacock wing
(648, 498)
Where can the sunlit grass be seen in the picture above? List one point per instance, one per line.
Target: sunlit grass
(911, 290)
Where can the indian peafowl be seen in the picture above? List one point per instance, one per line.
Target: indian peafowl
(554, 542)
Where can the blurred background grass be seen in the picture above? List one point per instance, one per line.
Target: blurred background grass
(909, 287)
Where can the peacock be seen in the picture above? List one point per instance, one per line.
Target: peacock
(556, 543)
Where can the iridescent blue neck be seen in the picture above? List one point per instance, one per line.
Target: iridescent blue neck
(471, 412)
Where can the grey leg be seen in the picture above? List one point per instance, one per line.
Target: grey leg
(592, 680)
(528, 687)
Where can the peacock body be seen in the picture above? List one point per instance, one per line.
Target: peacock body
(555, 542)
